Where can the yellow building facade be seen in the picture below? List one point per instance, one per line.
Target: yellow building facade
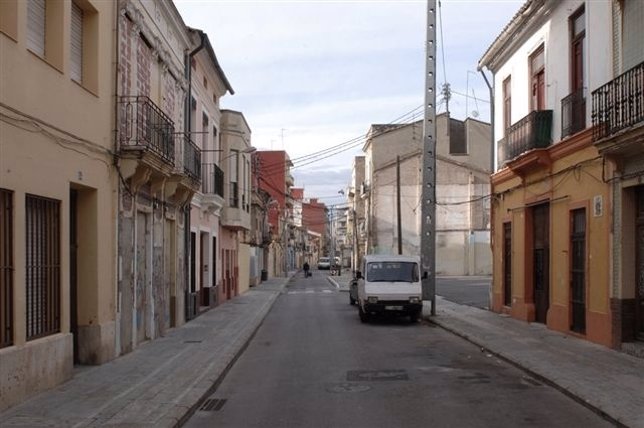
(57, 192)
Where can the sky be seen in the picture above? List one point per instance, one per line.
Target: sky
(309, 75)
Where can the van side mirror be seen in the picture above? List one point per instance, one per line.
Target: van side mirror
(358, 274)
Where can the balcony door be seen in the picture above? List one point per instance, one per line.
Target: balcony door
(538, 80)
(541, 261)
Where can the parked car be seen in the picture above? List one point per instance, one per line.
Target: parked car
(389, 284)
(324, 263)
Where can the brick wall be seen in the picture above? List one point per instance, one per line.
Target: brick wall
(143, 60)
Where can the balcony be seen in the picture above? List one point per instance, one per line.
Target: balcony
(234, 216)
(212, 188)
(145, 129)
(290, 181)
(573, 113)
(212, 180)
(532, 132)
(191, 158)
(618, 107)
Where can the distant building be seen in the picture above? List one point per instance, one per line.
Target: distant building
(462, 191)
(274, 177)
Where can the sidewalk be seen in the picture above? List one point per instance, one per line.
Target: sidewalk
(161, 382)
(609, 382)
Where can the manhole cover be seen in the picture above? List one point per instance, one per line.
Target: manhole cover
(348, 387)
(376, 375)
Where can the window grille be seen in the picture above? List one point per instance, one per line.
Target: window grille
(42, 266)
(6, 268)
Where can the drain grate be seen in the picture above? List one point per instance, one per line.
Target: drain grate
(213, 404)
(192, 341)
(375, 375)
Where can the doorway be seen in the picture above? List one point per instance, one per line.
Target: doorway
(639, 267)
(540, 258)
(73, 270)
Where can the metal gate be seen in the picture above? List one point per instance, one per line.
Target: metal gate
(541, 260)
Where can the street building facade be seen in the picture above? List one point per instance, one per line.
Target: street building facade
(208, 85)
(356, 227)
(158, 167)
(57, 193)
(462, 190)
(235, 221)
(569, 103)
(274, 177)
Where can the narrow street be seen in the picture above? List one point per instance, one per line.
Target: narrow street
(313, 364)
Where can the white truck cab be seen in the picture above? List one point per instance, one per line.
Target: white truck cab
(390, 284)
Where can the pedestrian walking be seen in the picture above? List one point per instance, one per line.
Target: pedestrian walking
(306, 268)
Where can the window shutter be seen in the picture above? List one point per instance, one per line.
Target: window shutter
(633, 32)
(36, 27)
(76, 51)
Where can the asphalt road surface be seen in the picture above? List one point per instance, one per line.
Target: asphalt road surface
(471, 291)
(313, 364)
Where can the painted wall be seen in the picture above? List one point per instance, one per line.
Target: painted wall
(49, 148)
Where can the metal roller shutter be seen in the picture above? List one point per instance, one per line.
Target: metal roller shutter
(36, 27)
(76, 51)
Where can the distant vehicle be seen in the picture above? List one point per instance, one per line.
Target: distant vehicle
(389, 284)
(324, 263)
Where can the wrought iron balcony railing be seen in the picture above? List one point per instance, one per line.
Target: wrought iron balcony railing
(573, 113)
(191, 158)
(212, 179)
(532, 132)
(143, 126)
(619, 104)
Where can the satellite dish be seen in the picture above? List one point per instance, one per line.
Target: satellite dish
(475, 113)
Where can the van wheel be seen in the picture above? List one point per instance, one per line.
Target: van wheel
(414, 317)
(364, 317)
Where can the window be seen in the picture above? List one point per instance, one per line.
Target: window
(392, 271)
(76, 44)
(36, 14)
(507, 104)
(6, 268)
(233, 163)
(42, 266)
(45, 20)
(577, 35)
(457, 140)
(537, 80)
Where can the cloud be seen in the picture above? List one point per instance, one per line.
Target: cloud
(325, 70)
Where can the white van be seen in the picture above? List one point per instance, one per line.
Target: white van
(390, 284)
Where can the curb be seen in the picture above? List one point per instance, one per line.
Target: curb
(237, 353)
(516, 363)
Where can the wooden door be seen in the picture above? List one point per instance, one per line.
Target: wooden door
(541, 264)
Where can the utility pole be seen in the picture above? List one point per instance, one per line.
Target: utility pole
(398, 205)
(356, 244)
(428, 222)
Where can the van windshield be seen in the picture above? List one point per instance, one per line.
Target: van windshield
(392, 271)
